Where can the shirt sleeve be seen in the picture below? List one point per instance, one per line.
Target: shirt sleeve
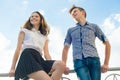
(68, 39)
(99, 33)
(23, 30)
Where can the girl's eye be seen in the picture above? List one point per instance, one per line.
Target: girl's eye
(36, 16)
(31, 16)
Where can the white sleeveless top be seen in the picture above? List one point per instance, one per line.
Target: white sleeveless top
(33, 39)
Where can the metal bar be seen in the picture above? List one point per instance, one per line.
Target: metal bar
(114, 69)
(71, 71)
(3, 74)
(110, 69)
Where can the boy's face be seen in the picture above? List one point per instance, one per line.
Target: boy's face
(76, 13)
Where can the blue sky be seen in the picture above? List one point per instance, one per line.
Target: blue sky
(13, 14)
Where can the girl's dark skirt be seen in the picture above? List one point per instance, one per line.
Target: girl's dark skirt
(31, 61)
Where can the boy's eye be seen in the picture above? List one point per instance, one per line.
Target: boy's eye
(75, 11)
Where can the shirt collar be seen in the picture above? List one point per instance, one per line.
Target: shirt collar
(34, 30)
(78, 24)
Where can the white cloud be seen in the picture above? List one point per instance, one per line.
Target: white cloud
(25, 2)
(113, 32)
(111, 26)
(6, 54)
(56, 42)
(64, 10)
(4, 42)
(111, 23)
(115, 47)
(117, 17)
(24, 6)
(42, 12)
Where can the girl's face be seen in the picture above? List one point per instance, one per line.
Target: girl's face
(35, 19)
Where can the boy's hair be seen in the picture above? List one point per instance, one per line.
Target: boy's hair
(80, 8)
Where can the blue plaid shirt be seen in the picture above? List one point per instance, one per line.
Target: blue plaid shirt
(82, 39)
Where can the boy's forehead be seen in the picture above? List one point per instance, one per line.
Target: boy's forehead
(75, 9)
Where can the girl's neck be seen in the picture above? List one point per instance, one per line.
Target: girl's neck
(36, 27)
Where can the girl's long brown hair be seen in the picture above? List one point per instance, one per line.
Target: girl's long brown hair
(43, 28)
